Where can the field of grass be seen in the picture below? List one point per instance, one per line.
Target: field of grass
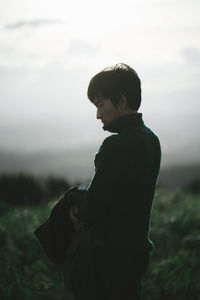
(174, 271)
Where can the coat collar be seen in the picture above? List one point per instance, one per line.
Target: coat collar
(124, 122)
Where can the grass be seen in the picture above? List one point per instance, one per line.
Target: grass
(25, 272)
(174, 270)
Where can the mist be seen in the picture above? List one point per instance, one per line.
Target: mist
(47, 57)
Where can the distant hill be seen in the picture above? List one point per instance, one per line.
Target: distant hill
(179, 176)
(77, 165)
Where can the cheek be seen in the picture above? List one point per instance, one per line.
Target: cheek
(109, 113)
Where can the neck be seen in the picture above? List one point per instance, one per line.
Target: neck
(123, 122)
(127, 112)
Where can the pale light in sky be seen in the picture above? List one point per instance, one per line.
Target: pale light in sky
(49, 50)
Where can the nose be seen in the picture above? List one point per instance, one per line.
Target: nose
(98, 115)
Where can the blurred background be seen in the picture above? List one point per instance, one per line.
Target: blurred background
(49, 50)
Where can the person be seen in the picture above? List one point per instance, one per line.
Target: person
(118, 201)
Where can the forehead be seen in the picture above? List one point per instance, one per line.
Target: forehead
(98, 100)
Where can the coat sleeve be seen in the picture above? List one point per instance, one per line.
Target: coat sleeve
(100, 192)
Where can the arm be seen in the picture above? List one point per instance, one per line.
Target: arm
(100, 191)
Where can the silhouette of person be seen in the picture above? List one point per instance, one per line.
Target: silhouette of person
(118, 201)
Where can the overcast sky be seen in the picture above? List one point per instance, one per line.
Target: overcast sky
(49, 50)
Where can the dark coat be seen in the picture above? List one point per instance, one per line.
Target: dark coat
(57, 232)
(102, 260)
(119, 199)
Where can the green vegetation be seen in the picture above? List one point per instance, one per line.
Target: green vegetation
(174, 270)
(25, 272)
(25, 189)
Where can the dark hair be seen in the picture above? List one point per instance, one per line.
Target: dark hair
(114, 82)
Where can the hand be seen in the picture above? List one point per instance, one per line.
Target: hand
(73, 212)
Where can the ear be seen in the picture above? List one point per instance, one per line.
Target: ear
(123, 103)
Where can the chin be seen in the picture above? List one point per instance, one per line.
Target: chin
(107, 122)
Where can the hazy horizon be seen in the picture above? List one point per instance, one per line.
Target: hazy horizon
(50, 50)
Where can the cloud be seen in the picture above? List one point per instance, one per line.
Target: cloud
(78, 47)
(192, 55)
(33, 23)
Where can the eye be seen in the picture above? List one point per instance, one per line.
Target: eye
(100, 104)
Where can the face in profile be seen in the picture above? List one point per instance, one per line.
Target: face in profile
(106, 111)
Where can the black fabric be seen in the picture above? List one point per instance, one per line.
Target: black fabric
(79, 266)
(91, 275)
(107, 258)
(57, 232)
(122, 123)
(118, 203)
(117, 280)
(119, 198)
